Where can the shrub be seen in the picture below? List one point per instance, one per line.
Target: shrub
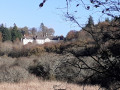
(15, 69)
(40, 71)
(49, 47)
(65, 69)
(24, 62)
(37, 50)
(13, 74)
(5, 60)
(6, 48)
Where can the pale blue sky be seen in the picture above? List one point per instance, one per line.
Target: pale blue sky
(27, 13)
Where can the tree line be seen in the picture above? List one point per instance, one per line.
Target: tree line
(81, 35)
(10, 34)
(15, 33)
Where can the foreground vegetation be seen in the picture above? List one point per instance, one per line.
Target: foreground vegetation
(86, 57)
(44, 85)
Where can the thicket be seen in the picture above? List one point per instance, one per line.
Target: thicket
(96, 60)
(106, 39)
(11, 72)
(28, 68)
(88, 61)
(105, 68)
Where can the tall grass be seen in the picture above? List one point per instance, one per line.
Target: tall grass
(44, 85)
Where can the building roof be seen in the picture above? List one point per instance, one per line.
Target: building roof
(50, 37)
(58, 38)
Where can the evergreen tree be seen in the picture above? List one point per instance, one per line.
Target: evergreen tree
(43, 29)
(6, 35)
(107, 20)
(33, 31)
(90, 22)
(15, 33)
(46, 31)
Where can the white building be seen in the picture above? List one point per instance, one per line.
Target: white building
(40, 40)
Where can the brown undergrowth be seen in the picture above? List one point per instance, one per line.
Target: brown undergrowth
(44, 85)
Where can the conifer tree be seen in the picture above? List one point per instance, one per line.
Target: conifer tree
(16, 34)
(90, 22)
(6, 35)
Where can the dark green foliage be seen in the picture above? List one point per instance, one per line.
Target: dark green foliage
(90, 22)
(107, 20)
(6, 34)
(16, 34)
(10, 35)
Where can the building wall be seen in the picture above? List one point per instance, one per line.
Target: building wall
(47, 40)
(38, 41)
(26, 41)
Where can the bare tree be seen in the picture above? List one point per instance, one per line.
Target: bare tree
(45, 31)
(109, 7)
(105, 69)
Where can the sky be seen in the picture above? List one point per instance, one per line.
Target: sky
(28, 13)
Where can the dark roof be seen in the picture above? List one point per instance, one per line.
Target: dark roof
(50, 37)
(58, 38)
(38, 37)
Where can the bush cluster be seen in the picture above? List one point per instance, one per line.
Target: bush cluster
(12, 72)
(19, 50)
(27, 68)
(60, 61)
